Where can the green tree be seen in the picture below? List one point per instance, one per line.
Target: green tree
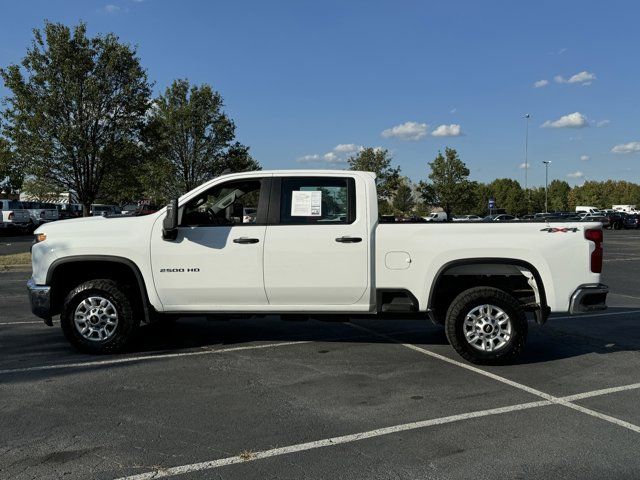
(450, 187)
(195, 139)
(403, 201)
(11, 170)
(378, 161)
(509, 195)
(75, 101)
(558, 196)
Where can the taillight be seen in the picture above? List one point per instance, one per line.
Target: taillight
(595, 235)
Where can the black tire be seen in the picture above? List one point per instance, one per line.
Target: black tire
(127, 321)
(464, 303)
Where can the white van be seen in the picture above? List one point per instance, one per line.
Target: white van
(583, 209)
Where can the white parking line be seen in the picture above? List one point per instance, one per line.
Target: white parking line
(624, 295)
(329, 442)
(26, 322)
(117, 361)
(520, 386)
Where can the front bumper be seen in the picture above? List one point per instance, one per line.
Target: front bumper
(589, 298)
(40, 299)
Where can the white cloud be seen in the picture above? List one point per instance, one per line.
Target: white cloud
(585, 158)
(111, 8)
(453, 110)
(631, 147)
(582, 78)
(524, 165)
(540, 83)
(576, 174)
(452, 130)
(407, 131)
(328, 158)
(308, 158)
(331, 157)
(346, 148)
(572, 120)
(603, 123)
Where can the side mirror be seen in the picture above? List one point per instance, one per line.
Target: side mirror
(170, 223)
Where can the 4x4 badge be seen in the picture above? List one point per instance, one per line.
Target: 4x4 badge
(561, 229)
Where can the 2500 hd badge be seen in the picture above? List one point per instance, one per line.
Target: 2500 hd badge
(178, 270)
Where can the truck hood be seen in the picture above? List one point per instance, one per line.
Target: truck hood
(96, 224)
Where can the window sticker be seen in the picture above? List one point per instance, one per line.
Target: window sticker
(306, 203)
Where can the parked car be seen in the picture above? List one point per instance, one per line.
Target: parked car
(616, 220)
(41, 212)
(69, 210)
(503, 217)
(593, 217)
(13, 216)
(632, 221)
(99, 210)
(436, 217)
(316, 248)
(467, 218)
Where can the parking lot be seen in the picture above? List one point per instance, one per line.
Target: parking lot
(260, 399)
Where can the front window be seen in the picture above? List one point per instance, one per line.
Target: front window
(227, 204)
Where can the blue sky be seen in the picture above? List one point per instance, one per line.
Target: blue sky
(301, 78)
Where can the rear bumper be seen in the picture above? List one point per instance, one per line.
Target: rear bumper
(40, 300)
(588, 298)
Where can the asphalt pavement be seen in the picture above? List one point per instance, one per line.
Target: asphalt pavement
(260, 399)
(15, 244)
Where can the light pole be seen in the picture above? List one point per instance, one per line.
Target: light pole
(546, 183)
(527, 116)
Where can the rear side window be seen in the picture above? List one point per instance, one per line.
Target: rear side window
(317, 201)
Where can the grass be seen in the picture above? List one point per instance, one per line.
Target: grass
(15, 259)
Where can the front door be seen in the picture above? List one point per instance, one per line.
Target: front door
(317, 243)
(216, 261)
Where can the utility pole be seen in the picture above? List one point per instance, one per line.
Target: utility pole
(546, 184)
(527, 116)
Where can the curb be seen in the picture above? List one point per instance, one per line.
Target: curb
(24, 267)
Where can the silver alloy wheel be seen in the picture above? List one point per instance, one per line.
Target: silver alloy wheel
(487, 328)
(96, 319)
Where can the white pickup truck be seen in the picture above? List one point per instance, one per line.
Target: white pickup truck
(313, 248)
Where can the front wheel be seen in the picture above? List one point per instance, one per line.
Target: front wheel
(98, 317)
(486, 325)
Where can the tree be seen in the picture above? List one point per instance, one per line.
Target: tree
(11, 170)
(75, 102)
(509, 195)
(40, 190)
(378, 161)
(558, 196)
(450, 187)
(196, 139)
(403, 201)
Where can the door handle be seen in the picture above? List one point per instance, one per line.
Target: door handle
(348, 239)
(245, 240)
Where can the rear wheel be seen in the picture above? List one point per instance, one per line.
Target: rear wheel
(486, 325)
(98, 317)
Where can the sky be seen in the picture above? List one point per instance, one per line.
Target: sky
(308, 83)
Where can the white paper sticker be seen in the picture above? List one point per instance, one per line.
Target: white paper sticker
(306, 203)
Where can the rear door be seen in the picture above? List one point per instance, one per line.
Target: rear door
(317, 243)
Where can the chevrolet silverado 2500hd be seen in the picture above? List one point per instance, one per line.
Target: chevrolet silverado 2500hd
(313, 247)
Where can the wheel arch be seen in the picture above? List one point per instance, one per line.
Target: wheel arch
(541, 314)
(101, 264)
